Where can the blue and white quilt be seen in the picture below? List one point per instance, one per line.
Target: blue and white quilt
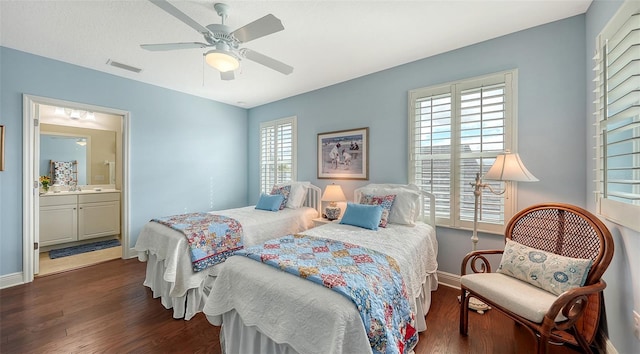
(370, 279)
(212, 238)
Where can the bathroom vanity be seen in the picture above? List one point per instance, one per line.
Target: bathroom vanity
(71, 216)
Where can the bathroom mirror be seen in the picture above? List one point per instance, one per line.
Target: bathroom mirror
(65, 148)
(94, 149)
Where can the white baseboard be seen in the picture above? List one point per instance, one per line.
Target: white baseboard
(449, 279)
(9, 280)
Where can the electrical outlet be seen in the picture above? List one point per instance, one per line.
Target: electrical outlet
(636, 324)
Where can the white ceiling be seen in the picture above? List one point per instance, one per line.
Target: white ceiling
(327, 42)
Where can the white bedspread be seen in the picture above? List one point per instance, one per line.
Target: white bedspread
(305, 315)
(172, 247)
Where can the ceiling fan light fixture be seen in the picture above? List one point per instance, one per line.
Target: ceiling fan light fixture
(222, 61)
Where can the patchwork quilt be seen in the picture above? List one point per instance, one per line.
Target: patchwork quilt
(63, 172)
(212, 238)
(370, 279)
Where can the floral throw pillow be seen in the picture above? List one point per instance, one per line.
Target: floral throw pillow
(549, 271)
(385, 201)
(284, 192)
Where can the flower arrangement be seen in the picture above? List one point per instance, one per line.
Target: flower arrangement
(45, 181)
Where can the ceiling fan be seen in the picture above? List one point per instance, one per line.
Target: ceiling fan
(225, 53)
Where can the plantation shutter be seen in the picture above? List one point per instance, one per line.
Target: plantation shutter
(482, 138)
(617, 111)
(457, 130)
(277, 152)
(431, 149)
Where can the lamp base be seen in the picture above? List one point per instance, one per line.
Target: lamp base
(332, 213)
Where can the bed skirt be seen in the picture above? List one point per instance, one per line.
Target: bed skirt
(184, 305)
(236, 337)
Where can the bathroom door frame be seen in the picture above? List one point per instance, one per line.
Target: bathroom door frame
(31, 156)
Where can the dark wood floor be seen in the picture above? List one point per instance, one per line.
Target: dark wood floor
(105, 308)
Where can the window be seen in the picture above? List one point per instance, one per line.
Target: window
(277, 152)
(457, 130)
(617, 112)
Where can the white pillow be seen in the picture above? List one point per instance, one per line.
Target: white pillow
(297, 195)
(406, 207)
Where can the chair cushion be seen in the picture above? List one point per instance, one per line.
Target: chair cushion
(546, 270)
(519, 297)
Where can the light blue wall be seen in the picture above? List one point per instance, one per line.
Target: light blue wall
(623, 276)
(551, 111)
(187, 153)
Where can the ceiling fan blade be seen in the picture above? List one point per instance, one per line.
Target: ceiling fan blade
(267, 61)
(229, 75)
(258, 28)
(172, 46)
(173, 11)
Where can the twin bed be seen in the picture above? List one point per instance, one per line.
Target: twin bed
(169, 272)
(263, 309)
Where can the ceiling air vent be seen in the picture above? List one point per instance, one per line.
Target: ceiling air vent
(123, 66)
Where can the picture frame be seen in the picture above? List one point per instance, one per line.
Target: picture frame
(1, 147)
(343, 154)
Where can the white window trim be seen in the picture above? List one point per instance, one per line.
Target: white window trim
(510, 78)
(294, 147)
(624, 214)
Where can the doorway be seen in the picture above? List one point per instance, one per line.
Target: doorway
(101, 171)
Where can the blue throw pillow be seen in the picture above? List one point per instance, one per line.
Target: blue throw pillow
(361, 215)
(270, 202)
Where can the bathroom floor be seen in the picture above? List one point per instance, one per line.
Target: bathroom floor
(51, 266)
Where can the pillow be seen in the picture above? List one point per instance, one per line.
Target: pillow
(284, 192)
(406, 206)
(385, 201)
(361, 215)
(298, 193)
(549, 271)
(269, 202)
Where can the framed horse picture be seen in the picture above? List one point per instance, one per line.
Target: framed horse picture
(344, 154)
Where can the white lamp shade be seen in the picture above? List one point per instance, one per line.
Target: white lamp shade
(333, 193)
(509, 167)
(222, 61)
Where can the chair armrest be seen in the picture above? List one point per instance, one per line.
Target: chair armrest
(572, 303)
(475, 257)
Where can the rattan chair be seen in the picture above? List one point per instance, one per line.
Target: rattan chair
(570, 317)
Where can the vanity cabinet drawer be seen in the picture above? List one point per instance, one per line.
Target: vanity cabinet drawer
(97, 198)
(51, 200)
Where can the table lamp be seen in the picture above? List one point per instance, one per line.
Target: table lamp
(332, 194)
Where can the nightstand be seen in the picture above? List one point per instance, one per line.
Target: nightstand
(320, 221)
